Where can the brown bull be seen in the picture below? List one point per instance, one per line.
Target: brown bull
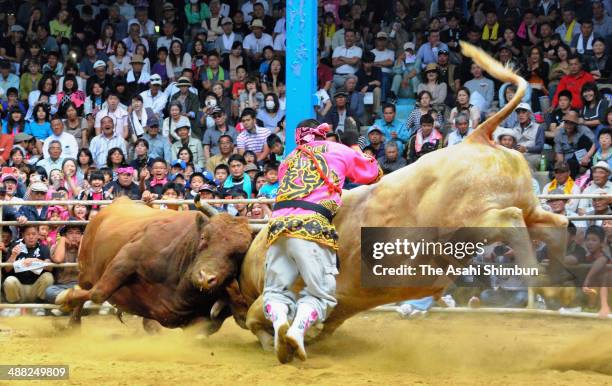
(474, 184)
(158, 264)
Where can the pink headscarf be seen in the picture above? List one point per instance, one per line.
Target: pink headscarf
(304, 135)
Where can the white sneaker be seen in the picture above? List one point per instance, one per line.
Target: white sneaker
(448, 301)
(569, 310)
(56, 312)
(295, 339)
(38, 311)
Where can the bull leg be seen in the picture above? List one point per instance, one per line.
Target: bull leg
(75, 316)
(259, 325)
(238, 304)
(115, 274)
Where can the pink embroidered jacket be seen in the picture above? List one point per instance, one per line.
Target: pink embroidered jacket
(301, 180)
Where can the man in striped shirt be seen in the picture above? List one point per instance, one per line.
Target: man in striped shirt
(253, 137)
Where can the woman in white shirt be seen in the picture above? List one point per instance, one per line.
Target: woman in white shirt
(45, 93)
(119, 64)
(177, 60)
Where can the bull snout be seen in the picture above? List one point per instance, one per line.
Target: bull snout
(207, 280)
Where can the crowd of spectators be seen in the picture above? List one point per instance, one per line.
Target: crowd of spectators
(153, 99)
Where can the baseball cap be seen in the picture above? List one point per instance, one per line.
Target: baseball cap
(22, 137)
(523, 106)
(208, 188)
(183, 122)
(99, 63)
(250, 167)
(17, 28)
(602, 165)
(408, 45)
(179, 162)
(66, 227)
(226, 20)
(183, 81)
(374, 128)
(155, 79)
(39, 187)
(443, 51)
(382, 35)
(561, 167)
(9, 177)
(153, 121)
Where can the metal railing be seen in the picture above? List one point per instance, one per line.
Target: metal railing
(256, 224)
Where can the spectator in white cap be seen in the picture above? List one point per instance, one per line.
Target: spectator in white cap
(90, 59)
(600, 175)
(224, 42)
(599, 206)
(255, 42)
(154, 98)
(530, 135)
(100, 76)
(404, 74)
(147, 26)
(506, 137)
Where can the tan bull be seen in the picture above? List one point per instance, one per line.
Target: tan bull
(474, 184)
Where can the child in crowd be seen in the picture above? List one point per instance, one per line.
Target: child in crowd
(270, 188)
(276, 147)
(221, 173)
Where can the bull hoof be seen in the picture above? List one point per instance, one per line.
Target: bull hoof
(284, 350)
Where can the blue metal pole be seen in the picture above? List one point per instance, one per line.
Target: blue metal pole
(301, 71)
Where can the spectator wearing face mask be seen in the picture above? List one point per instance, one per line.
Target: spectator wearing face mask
(270, 114)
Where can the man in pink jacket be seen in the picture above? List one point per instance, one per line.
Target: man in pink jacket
(301, 237)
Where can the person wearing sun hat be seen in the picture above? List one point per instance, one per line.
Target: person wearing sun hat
(255, 42)
(600, 175)
(137, 74)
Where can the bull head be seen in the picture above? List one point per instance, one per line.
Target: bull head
(224, 241)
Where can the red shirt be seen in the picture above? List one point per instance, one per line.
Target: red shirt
(6, 145)
(573, 83)
(324, 74)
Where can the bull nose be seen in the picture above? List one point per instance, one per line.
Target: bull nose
(207, 280)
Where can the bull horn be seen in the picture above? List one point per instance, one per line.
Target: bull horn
(205, 208)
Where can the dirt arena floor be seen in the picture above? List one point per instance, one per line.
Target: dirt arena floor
(370, 349)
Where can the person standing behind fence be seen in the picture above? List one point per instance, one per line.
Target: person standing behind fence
(65, 251)
(27, 286)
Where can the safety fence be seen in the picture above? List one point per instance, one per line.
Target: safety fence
(257, 225)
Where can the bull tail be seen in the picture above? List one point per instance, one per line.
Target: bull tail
(120, 316)
(484, 131)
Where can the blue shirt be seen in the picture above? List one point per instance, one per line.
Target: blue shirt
(269, 190)
(39, 130)
(403, 134)
(426, 54)
(159, 147)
